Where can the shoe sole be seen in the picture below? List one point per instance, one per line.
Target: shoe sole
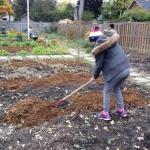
(104, 119)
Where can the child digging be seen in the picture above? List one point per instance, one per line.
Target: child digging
(115, 66)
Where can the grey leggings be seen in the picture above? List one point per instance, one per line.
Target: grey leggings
(115, 84)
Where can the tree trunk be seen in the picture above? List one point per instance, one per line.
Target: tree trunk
(75, 15)
(81, 7)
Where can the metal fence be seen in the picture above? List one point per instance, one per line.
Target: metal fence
(134, 36)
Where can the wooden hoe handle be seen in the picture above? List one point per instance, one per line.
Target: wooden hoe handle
(76, 90)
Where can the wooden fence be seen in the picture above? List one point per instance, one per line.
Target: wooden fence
(134, 36)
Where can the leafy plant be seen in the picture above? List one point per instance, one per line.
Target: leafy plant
(3, 52)
(49, 44)
(4, 43)
(26, 43)
(110, 141)
(40, 50)
(33, 44)
(22, 53)
(3, 35)
(12, 35)
(15, 43)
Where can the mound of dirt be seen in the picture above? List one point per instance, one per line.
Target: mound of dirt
(32, 111)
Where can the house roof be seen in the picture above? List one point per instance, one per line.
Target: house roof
(25, 15)
(144, 3)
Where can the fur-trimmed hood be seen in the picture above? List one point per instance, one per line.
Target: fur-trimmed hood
(103, 43)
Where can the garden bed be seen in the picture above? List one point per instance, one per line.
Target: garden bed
(29, 120)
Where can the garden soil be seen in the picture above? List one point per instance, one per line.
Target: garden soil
(29, 120)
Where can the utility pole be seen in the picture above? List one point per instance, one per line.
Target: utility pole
(28, 17)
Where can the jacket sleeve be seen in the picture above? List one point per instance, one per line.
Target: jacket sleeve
(99, 65)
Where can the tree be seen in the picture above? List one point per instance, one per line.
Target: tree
(20, 7)
(89, 6)
(93, 6)
(63, 5)
(121, 5)
(43, 10)
(68, 12)
(87, 15)
(81, 7)
(6, 8)
(112, 9)
(63, 10)
(138, 14)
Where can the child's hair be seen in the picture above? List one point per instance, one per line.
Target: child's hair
(112, 26)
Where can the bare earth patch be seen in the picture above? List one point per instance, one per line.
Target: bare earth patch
(29, 120)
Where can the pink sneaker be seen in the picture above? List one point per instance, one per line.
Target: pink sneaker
(102, 116)
(121, 113)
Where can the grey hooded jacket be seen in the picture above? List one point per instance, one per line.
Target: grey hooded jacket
(111, 62)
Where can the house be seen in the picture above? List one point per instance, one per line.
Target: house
(24, 18)
(7, 18)
(144, 3)
(66, 21)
